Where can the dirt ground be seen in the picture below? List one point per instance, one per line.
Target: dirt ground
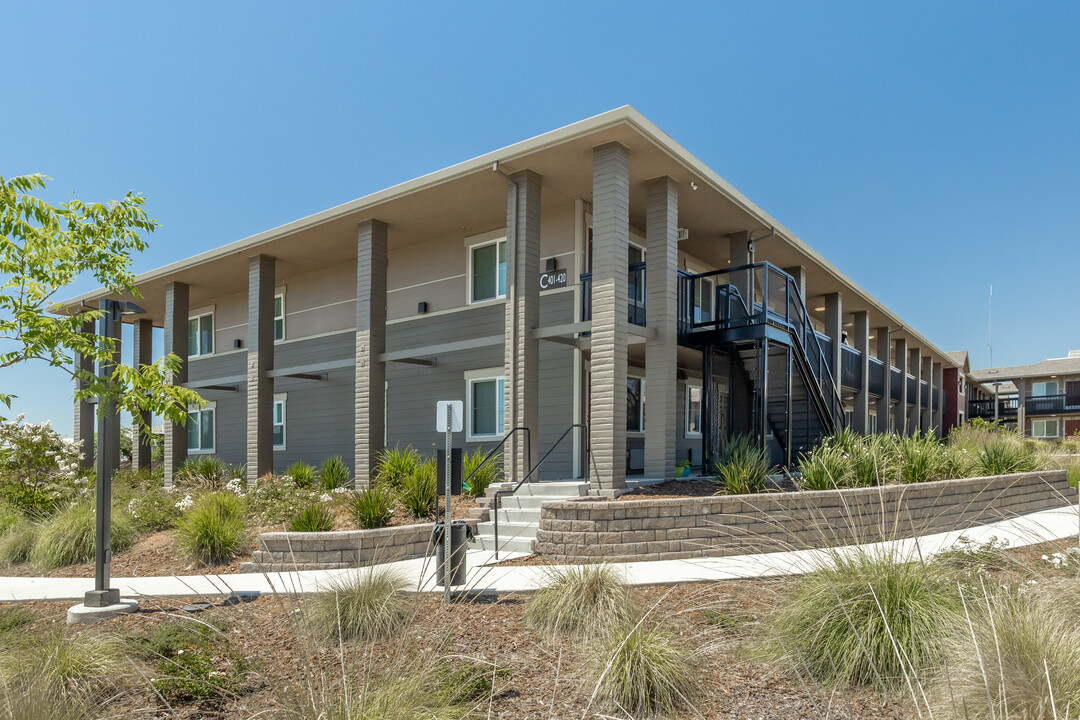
(672, 489)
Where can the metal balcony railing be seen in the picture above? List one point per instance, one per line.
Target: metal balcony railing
(850, 367)
(877, 377)
(635, 305)
(1007, 408)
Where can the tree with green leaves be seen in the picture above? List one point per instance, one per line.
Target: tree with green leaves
(43, 249)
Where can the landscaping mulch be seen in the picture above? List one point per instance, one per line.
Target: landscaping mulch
(672, 489)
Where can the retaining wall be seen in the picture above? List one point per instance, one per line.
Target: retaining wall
(679, 528)
(339, 549)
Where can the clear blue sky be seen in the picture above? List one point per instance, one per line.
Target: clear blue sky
(927, 149)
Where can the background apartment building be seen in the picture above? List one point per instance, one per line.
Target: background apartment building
(1041, 400)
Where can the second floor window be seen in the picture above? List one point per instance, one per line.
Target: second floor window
(487, 278)
(201, 335)
(1042, 389)
(279, 317)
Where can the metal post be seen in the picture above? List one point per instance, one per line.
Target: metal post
(707, 401)
(447, 545)
(996, 386)
(108, 437)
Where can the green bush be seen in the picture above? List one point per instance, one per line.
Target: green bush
(866, 619)
(14, 617)
(482, 475)
(372, 507)
(199, 674)
(170, 636)
(275, 499)
(579, 601)
(139, 479)
(1074, 476)
(643, 668)
(825, 468)
(39, 470)
(68, 537)
(9, 518)
(212, 531)
(1003, 458)
(206, 472)
(395, 466)
(920, 458)
(419, 492)
(302, 474)
(334, 473)
(313, 518)
(18, 542)
(60, 664)
(153, 510)
(743, 468)
(365, 605)
(462, 680)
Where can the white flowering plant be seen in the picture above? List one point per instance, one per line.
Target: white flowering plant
(276, 498)
(39, 470)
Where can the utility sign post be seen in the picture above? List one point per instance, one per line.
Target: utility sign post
(449, 416)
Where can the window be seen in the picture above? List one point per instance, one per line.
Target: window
(486, 396)
(703, 300)
(636, 280)
(279, 421)
(488, 271)
(279, 317)
(635, 405)
(200, 430)
(1044, 429)
(693, 410)
(873, 424)
(1042, 389)
(200, 335)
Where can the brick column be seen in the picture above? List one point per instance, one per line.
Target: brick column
(834, 328)
(176, 343)
(661, 350)
(926, 373)
(260, 361)
(900, 354)
(143, 352)
(370, 395)
(607, 385)
(860, 331)
(939, 411)
(84, 409)
(915, 363)
(521, 357)
(884, 353)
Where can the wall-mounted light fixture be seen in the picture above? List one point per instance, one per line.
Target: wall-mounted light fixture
(421, 307)
(238, 343)
(552, 263)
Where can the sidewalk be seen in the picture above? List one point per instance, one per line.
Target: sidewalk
(1026, 530)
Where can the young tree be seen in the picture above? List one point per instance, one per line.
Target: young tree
(44, 248)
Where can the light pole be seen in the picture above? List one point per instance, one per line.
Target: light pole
(108, 438)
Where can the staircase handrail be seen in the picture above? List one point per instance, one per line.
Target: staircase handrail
(498, 447)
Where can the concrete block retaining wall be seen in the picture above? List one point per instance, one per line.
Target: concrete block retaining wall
(679, 528)
(339, 549)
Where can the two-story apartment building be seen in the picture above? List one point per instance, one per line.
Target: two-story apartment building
(597, 275)
(1041, 400)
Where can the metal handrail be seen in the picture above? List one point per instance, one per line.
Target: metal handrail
(499, 493)
(497, 448)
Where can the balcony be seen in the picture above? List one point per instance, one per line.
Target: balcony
(1051, 405)
(984, 409)
(850, 367)
(924, 394)
(912, 388)
(877, 377)
(635, 304)
(896, 391)
(937, 400)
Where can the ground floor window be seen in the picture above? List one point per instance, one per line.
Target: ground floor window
(635, 404)
(200, 430)
(485, 399)
(279, 421)
(693, 411)
(1044, 429)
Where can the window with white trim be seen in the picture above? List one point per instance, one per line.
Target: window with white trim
(635, 283)
(1044, 429)
(200, 429)
(485, 398)
(279, 316)
(635, 404)
(201, 335)
(487, 271)
(693, 410)
(279, 421)
(703, 300)
(1042, 389)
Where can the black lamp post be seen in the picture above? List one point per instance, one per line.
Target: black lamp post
(108, 438)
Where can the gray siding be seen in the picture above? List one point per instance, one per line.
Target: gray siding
(556, 390)
(480, 321)
(318, 419)
(230, 424)
(218, 365)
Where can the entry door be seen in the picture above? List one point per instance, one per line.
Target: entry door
(1072, 393)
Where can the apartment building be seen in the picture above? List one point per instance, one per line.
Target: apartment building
(597, 276)
(1041, 400)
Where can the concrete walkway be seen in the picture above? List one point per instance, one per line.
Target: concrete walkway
(1026, 530)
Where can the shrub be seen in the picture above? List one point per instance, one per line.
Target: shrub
(1074, 476)
(169, 637)
(302, 474)
(1003, 458)
(334, 473)
(644, 668)
(839, 624)
(61, 664)
(1018, 655)
(825, 468)
(207, 472)
(18, 542)
(153, 510)
(394, 467)
(212, 530)
(364, 605)
(139, 479)
(482, 475)
(462, 680)
(372, 507)
(579, 601)
(68, 537)
(743, 467)
(313, 518)
(13, 618)
(9, 518)
(921, 457)
(38, 469)
(871, 461)
(276, 499)
(419, 492)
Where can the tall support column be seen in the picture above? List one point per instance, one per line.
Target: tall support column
(915, 416)
(860, 330)
(176, 343)
(938, 373)
(1021, 406)
(661, 350)
(260, 361)
(607, 386)
(834, 328)
(522, 351)
(798, 273)
(926, 373)
(370, 393)
(900, 355)
(84, 409)
(884, 353)
(143, 350)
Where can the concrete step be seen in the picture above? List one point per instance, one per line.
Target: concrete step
(553, 489)
(517, 515)
(519, 502)
(508, 529)
(506, 544)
